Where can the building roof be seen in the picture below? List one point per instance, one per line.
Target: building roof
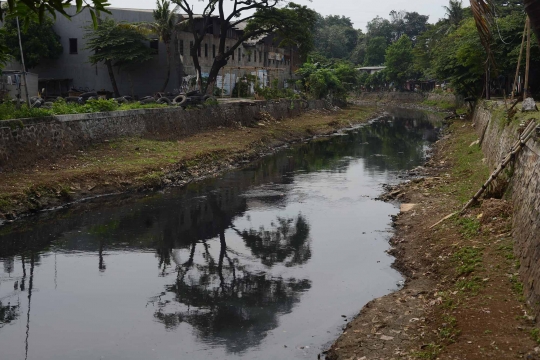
(372, 68)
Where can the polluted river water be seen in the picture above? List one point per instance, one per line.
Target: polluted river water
(266, 262)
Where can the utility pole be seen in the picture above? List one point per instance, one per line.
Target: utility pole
(24, 67)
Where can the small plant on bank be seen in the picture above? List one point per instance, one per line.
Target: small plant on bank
(469, 259)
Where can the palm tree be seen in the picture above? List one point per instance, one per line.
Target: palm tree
(164, 25)
(454, 12)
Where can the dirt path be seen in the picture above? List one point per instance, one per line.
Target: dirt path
(135, 164)
(462, 298)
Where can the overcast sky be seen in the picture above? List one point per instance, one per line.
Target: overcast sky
(360, 11)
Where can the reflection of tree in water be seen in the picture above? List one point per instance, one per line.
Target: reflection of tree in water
(8, 313)
(224, 300)
(287, 242)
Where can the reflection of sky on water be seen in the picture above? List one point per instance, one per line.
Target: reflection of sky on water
(256, 264)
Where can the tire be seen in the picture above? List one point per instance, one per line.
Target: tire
(180, 100)
(149, 100)
(164, 100)
(127, 98)
(36, 104)
(193, 93)
(121, 100)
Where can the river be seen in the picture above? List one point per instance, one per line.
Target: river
(266, 262)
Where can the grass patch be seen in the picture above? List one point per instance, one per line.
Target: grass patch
(469, 260)
(470, 285)
(469, 228)
(535, 335)
(429, 351)
(468, 165)
(9, 111)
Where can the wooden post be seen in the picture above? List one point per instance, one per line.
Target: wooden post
(528, 61)
(519, 59)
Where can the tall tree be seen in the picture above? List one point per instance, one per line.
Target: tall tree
(116, 44)
(454, 12)
(375, 51)
(38, 40)
(164, 25)
(399, 59)
(335, 36)
(292, 23)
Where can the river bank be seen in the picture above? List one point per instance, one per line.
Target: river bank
(135, 164)
(462, 298)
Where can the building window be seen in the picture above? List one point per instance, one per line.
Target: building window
(206, 50)
(73, 48)
(154, 45)
(232, 52)
(255, 56)
(239, 55)
(191, 48)
(249, 56)
(260, 56)
(213, 51)
(199, 50)
(181, 47)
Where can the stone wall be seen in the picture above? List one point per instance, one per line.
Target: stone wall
(23, 142)
(525, 194)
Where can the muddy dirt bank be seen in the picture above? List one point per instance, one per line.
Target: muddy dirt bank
(462, 298)
(139, 165)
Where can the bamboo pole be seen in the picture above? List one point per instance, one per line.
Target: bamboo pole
(528, 63)
(514, 150)
(519, 59)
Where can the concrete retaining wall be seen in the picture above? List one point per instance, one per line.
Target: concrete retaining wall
(23, 142)
(408, 97)
(525, 194)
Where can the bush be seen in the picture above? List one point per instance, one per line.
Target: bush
(8, 110)
(273, 92)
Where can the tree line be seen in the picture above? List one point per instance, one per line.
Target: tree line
(411, 48)
(406, 43)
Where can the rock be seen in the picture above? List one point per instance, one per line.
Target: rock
(407, 207)
(387, 338)
(529, 105)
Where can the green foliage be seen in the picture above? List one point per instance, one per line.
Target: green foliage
(335, 36)
(328, 80)
(399, 59)
(273, 92)
(468, 259)
(118, 43)
(459, 58)
(375, 51)
(293, 25)
(5, 53)
(38, 8)
(38, 40)
(8, 110)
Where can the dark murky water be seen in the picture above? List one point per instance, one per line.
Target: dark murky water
(258, 264)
